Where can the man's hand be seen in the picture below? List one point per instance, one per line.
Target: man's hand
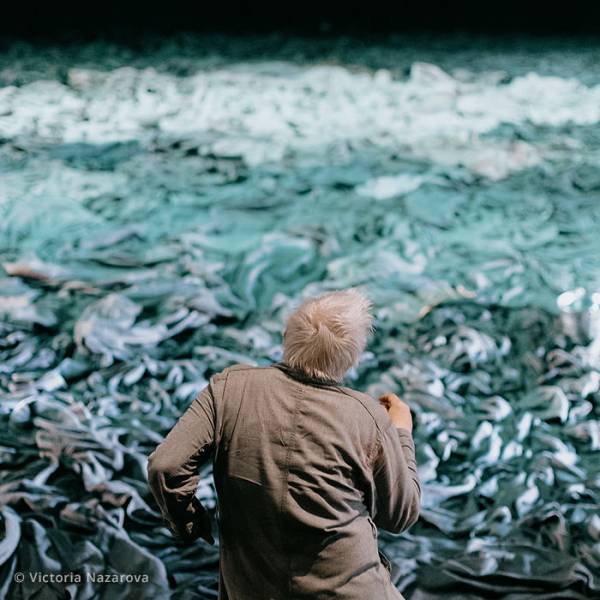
(398, 411)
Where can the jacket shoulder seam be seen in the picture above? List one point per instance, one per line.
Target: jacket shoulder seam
(378, 433)
(227, 370)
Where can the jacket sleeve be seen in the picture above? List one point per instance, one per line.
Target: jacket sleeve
(173, 469)
(397, 486)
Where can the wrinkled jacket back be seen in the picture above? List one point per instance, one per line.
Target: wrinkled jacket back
(294, 476)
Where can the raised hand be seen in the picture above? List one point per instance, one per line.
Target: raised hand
(398, 411)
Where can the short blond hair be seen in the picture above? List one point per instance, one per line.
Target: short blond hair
(326, 335)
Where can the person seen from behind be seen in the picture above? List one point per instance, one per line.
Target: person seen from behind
(306, 469)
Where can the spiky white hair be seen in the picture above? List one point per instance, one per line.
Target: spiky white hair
(326, 335)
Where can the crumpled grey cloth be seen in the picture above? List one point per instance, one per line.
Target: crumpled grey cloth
(162, 211)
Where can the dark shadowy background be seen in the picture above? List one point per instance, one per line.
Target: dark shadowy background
(111, 18)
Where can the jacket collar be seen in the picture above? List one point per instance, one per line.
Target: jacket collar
(303, 377)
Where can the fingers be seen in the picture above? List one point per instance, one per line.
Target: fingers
(388, 400)
(398, 411)
(385, 401)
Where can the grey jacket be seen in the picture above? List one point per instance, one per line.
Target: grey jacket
(305, 472)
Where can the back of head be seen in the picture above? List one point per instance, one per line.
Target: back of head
(326, 336)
